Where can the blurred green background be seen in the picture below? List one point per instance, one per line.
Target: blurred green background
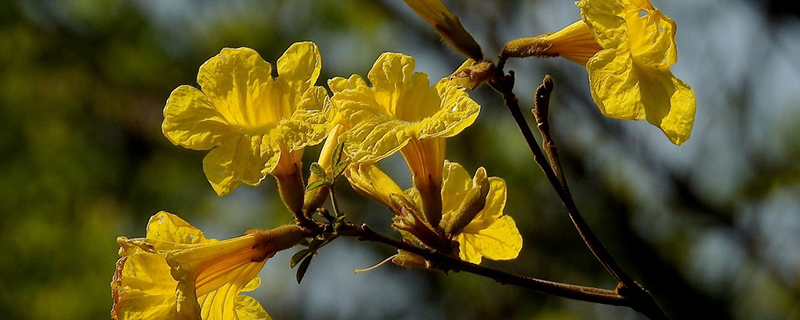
(711, 228)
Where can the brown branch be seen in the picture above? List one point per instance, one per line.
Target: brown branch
(640, 299)
(447, 263)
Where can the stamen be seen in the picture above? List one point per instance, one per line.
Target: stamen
(375, 266)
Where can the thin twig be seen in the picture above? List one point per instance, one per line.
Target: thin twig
(540, 111)
(641, 300)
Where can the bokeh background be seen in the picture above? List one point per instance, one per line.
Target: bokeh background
(712, 227)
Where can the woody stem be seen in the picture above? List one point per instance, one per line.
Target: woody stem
(448, 263)
(641, 300)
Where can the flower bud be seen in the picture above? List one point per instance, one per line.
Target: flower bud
(473, 203)
(472, 74)
(290, 179)
(292, 190)
(315, 198)
(447, 26)
(409, 260)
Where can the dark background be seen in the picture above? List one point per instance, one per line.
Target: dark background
(711, 227)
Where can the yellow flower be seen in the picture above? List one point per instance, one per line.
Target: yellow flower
(628, 63)
(489, 233)
(402, 112)
(177, 273)
(253, 124)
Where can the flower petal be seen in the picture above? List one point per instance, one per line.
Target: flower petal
(308, 124)
(243, 159)
(369, 146)
(403, 93)
(624, 89)
(219, 305)
(248, 308)
(355, 82)
(300, 66)
(144, 289)
(433, 11)
(651, 37)
(374, 135)
(678, 121)
(500, 241)
(390, 74)
(252, 285)
(191, 121)
(456, 182)
(638, 26)
(238, 84)
(456, 112)
(165, 226)
(606, 21)
(492, 209)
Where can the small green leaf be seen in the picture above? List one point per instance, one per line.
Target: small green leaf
(338, 222)
(317, 184)
(301, 270)
(337, 154)
(316, 243)
(299, 256)
(317, 169)
(339, 168)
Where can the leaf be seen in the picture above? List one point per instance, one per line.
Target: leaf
(316, 243)
(338, 222)
(301, 270)
(299, 256)
(317, 184)
(339, 168)
(317, 169)
(337, 154)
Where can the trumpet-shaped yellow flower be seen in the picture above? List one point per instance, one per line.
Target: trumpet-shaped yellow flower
(177, 273)
(485, 232)
(402, 112)
(627, 47)
(630, 77)
(253, 123)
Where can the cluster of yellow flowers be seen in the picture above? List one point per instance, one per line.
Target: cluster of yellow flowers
(255, 125)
